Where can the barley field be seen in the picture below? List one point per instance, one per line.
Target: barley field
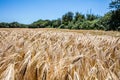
(53, 54)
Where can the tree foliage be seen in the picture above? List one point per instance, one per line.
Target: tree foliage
(110, 21)
(115, 4)
(114, 22)
(68, 17)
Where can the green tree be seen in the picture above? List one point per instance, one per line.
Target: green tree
(4, 25)
(115, 17)
(68, 17)
(14, 25)
(40, 24)
(56, 23)
(115, 4)
(85, 25)
(91, 17)
(79, 17)
(62, 26)
(115, 20)
(105, 21)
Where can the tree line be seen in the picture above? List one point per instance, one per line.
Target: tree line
(70, 20)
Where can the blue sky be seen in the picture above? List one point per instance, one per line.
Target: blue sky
(28, 11)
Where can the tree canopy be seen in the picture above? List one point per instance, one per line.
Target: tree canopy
(70, 20)
(115, 4)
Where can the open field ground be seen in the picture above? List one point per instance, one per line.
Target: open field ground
(53, 54)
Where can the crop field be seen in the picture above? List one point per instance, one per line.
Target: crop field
(55, 54)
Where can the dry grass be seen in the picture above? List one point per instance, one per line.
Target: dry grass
(51, 54)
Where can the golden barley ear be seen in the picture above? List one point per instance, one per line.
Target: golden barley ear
(9, 73)
(43, 54)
